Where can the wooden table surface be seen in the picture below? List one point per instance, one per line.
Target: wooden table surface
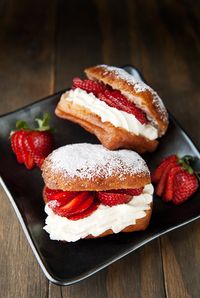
(43, 45)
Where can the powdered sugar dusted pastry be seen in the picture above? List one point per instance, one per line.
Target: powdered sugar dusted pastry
(120, 110)
(93, 192)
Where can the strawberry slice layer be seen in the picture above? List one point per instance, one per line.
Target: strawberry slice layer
(162, 183)
(88, 86)
(156, 175)
(61, 197)
(77, 205)
(113, 98)
(117, 197)
(169, 188)
(70, 203)
(86, 213)
(16, 143)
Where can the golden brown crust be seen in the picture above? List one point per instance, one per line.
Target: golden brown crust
(147, 99)
(67, 168)
(110, 136)
(140, 225)
(63, 182)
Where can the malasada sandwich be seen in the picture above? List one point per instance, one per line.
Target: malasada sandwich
(122, 111)
(92, 192)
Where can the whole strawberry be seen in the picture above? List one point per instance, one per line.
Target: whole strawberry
(175, 178)
(31, 146)
(185, 184)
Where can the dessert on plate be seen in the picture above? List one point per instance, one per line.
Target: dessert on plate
(122, 111)
(92, 192)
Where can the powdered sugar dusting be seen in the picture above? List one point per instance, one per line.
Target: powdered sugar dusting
(88, 160)
(139, 86)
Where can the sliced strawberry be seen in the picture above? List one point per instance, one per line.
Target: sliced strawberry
(13, 139)
(185, 184)
(88, 85)
(86, 213)
(62, 197)
(111, 97)
(32, 146)
(161, 185)
(68, 204)
(85, 204)
(16, 139)
(110, 102)
(169, 187)
(156, 175)
(133, 192)
(22, 152)
(111, 198)
(72, 206)
(115, 99)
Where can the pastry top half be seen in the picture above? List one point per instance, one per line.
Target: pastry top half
(135, 90)
(81, 167)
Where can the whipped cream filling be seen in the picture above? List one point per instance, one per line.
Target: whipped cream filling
(116, 218)
(117, 117)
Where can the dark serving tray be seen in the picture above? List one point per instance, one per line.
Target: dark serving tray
(67, 263)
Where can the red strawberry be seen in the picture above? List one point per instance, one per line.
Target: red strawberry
(16, 139)
(133, 192)
(115, 99)
(18, 143)
(32, 146)
(156, 175)
(26, 154)
(41, 145)
(175, 178)
(62, 197)
(88, 85)
(185, 184)
(110, 198)
(84, 214)
(72, 207)
(169, 188)
(85, 204)
(162, 183)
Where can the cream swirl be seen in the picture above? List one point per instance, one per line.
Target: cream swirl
(116, 218)
(117, 117)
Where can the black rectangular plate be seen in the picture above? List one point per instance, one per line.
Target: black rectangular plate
(67, 263)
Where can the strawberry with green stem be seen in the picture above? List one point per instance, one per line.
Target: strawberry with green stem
(176, 179)
(31, 146)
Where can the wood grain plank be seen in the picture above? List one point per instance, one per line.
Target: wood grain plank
(181, 251)
(77, 39)
(95, 286)
(137, 275)
(26, 74)
(113, 23)
(55, 291)
(26, 54)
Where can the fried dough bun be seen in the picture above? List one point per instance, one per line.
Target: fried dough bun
(111, 136)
